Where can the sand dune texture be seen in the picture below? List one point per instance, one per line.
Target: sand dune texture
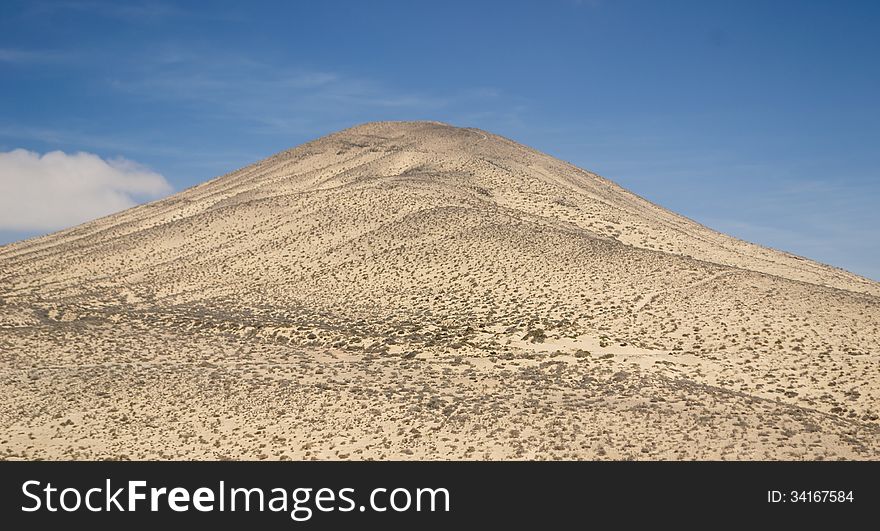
(413, 290)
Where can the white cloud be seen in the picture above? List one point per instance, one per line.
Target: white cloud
(57, 190)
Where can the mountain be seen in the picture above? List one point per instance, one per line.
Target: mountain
(417, 290)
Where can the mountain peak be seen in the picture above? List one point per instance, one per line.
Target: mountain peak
(442, 275)
(426, 134)
(438, 165)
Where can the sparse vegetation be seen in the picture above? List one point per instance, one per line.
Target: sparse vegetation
(420, 291)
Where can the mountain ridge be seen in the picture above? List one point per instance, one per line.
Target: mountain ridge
(854, 282)
(420, 267)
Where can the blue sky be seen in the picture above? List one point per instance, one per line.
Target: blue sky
(759, 119)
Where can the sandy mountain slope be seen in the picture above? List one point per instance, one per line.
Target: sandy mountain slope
(416, 290)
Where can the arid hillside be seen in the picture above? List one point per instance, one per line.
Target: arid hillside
(415, 290)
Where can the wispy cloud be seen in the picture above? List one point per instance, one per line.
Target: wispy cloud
(268, 97)
(823, 219)
(28, 57)
(74, 136)
(129, 11)
(847, 245)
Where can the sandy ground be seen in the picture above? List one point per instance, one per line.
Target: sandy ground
(419, 291)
